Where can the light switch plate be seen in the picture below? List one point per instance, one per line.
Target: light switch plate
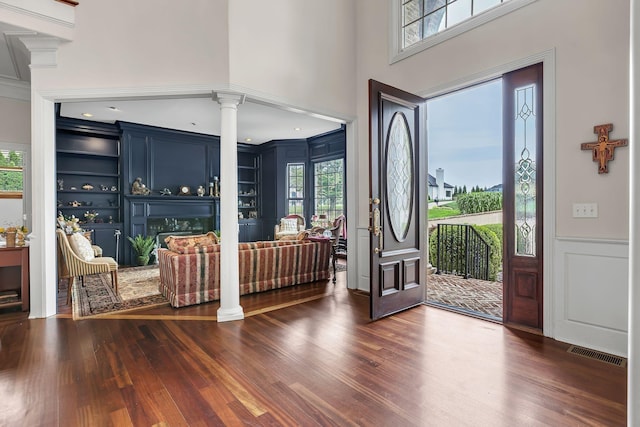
(585, 210)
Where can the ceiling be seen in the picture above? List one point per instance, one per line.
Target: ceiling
(257, 122)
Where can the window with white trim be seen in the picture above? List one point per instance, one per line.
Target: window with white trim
(11, 174)
(329, 189)
(419, 24)
(295, 188)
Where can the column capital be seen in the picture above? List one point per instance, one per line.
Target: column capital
(228, 98)
(43, 50)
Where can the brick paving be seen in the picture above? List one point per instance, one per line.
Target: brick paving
(470, 295)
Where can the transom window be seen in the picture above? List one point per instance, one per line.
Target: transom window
(417, 25)
(329, 189)
(424, 18)
(295, 188)
(11, 173)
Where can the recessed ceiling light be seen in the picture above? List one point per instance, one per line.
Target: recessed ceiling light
(87, 115)
(193, 124)
(113, 108)
(248, 140)
(297, 129)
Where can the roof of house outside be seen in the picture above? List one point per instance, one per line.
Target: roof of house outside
(432, 182)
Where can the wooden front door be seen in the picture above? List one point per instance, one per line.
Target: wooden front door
(398, 199)
(522, 202)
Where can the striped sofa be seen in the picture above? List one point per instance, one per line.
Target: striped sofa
(191, 275)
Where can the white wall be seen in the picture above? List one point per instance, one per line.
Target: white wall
(591, 63)
(15, 120)
(302, 52)
(146, 43)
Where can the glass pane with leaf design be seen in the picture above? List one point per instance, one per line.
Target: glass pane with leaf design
(525, 171)
(399, 175)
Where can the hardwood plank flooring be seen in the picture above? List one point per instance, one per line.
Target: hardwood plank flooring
(321, 362)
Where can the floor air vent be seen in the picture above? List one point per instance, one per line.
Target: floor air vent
(598, 355)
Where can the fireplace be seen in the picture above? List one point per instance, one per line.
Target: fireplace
(164, 227)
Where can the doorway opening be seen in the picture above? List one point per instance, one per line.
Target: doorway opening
(515, 248)
(465, 143)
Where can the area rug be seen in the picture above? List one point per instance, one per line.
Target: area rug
(137, 288)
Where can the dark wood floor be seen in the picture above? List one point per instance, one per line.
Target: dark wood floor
(316, 363)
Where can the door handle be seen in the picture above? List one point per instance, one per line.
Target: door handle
(376, 227)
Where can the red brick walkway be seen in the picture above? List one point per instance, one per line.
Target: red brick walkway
(469, 295)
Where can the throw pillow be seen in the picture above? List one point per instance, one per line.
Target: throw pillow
(302, 235)
(289, 224)
(175, 243)
(81, 246)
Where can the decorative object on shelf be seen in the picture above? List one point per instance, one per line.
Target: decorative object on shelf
(114, 188)
(143, 246)
(110, 220)
(69, 224)
(184, 190)
(90, 216)
(10, 238)
(165, 192)
(104, 187)
(60, 184)
(240, 216)
(138, 188)
(74, 203)
(87, 187)
(72, 188)
(602, 150)
(252, 192)
(253, 214)
(14, 236)
(211, 189)
(200, 191)
(216, 187)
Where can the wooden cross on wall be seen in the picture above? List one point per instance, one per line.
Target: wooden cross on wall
(603, 149)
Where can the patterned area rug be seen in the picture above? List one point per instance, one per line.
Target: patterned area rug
(137, 286)
(474, 296)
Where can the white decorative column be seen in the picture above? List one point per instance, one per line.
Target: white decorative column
(42, 245)
(633, 372)
(230, 308)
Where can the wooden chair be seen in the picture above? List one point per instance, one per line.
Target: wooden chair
(77, 267)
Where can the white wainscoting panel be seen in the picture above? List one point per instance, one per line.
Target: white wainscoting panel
(591, 293)
(364, 282)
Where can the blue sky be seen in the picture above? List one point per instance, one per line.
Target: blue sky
(464, 133)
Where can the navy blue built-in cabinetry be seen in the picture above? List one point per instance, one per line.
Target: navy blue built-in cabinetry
(88, 180)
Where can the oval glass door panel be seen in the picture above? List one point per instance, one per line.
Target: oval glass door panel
(399, 176)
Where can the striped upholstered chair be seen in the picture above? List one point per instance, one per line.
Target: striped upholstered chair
(79, 267)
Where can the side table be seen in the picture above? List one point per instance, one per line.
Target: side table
(332, 242)
(14, 277)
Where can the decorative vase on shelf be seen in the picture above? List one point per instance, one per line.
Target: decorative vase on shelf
(11, 239)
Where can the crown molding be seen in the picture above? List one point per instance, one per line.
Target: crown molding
(54, 13)
(13, 89)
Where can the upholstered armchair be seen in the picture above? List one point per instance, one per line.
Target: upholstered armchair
(290, 225)
(80, 260)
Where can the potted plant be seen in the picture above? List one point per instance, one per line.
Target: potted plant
(143, 246)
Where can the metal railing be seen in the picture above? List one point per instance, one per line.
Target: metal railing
(462, 251)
